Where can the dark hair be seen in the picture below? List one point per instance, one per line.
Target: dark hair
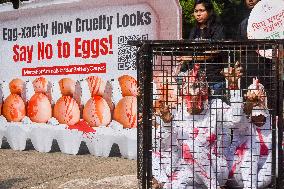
(209, 8)
(213, 24)
(207, 4)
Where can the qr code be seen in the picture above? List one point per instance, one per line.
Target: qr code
(127, 53)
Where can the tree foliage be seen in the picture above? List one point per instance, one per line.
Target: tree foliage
(4, 1)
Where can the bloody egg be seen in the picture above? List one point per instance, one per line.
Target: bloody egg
(125, 112)
(96, 85)
(128, 85)
(40, 85)
(66, 111)
(67, 86)
(39, 108)
(97, 112)
(14, 108)
(16, 86)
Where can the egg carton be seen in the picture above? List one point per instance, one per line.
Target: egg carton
(69, 141)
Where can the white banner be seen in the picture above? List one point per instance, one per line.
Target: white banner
(76, 44)
(266, 20)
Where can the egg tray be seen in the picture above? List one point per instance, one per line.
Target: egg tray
(69, 141)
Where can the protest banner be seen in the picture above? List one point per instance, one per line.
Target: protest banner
(266, 20)
(76, 53)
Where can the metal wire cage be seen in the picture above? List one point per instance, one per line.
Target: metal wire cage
(210, 114)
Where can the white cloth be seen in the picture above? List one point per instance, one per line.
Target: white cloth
(205, 138)
(250, 154)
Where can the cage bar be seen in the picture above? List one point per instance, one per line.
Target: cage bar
(198, 129)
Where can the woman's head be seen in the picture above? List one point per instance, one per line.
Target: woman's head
(251, 3)
(203, 10)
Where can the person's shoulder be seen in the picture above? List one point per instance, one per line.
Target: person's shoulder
(217, 26)
(242, 29)
(216, 20)
(217, 23)
(192, 32)
(244, 22)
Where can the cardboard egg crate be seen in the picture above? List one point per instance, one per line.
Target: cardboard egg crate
(99, 140)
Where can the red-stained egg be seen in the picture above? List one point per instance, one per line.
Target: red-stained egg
(67, 86)
(97, 112)
(96, 85)
(66, 111)
(125, 112)
(14, 108)
(0, 108)
(128, 85)
(40, 85)
(16, 86)
(39, 108)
